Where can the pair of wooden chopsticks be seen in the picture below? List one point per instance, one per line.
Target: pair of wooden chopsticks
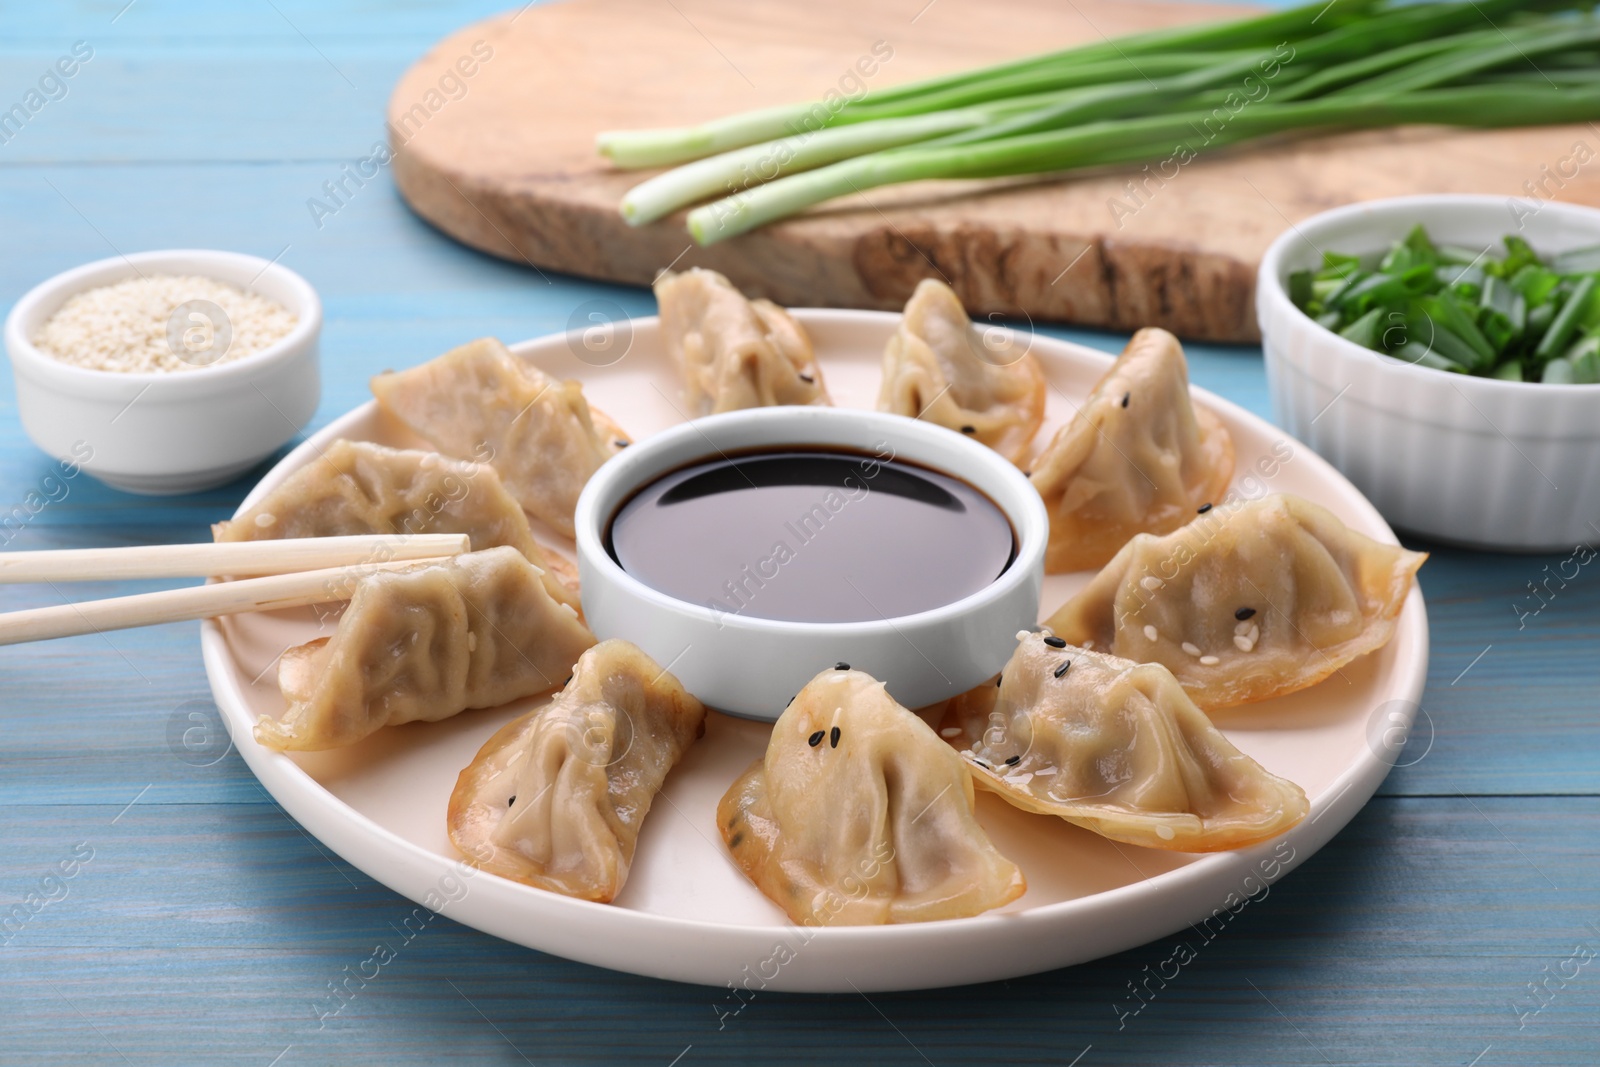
(276, 574)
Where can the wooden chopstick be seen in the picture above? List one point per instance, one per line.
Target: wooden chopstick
(207, 560)
(196, 602)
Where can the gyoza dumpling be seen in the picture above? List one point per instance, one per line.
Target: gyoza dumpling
(1138, 457)
(426, 643)
(355, 487)
(556, 798)
(1118, 748)
(859, 814)
(940, 368)
(482, 403)
(1246, 602)
(734, 353)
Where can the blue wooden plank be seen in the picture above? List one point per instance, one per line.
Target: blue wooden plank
(204, 23)
(337, 100)
(198, 933)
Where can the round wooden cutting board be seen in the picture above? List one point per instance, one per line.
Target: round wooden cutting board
(493, 134)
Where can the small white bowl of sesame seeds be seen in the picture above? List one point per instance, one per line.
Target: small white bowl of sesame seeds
(167, 372)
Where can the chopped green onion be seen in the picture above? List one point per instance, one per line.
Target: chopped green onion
(1513, 316)
(1557, 372)
(1566, 322)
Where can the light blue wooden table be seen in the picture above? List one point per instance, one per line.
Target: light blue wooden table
(202, 926)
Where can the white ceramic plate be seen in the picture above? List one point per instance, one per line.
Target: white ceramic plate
(686, 912)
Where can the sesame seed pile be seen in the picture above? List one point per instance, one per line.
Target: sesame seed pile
(123, 327)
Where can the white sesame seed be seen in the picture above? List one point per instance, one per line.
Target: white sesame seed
(1254, 635)
(1209, 661)
(950, 731)
(1164, 832)
(1022, 635)
(1241, 627)
(1150, 633)
(266, 519)
(1151, 582)
(1243, 644)
(123, 327)
(1191, 649)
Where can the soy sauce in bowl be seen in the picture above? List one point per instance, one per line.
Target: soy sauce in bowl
(808, 534)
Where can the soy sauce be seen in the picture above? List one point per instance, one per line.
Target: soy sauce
(812, 535)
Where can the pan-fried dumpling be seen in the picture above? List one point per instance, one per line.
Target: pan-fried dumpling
(426, 643)
(942, 369)
(1138, 457)
(1246, 602)
(859, 814)
(355, 487)
(1118, 748)
(556, 798)
(482, 403)
(734, 353)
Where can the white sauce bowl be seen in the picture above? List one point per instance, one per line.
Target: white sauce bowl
(752, 666)
(168, 432)
(1466, 460)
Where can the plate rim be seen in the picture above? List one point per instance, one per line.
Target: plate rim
(364, 843)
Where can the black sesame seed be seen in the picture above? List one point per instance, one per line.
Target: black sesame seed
(969, 429)
(620, 443)
(833, 738)
(1244, 613)
(997, 679)
(793, 699)
(1055, 642)
(1012, 761)
(980, 763)
(1203, 508)
(841, 666)
(816, 739)
(1125, 398)
(808, 379)
(1059, 671)
(512, 801)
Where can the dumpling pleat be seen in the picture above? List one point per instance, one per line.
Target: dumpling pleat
(1137, 457)
(556, 798)
(1118, 748)
(481, 402)
(1248, 602)
(940, 368)
(858, 814)
(424, 644)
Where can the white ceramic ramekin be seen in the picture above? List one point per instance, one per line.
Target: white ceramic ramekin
(751, 666)
(162, 433)
(1472, 461)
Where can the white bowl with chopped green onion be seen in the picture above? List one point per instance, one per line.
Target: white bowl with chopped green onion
(1452, 375)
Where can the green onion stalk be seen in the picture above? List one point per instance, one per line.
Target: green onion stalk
(1316, 68)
